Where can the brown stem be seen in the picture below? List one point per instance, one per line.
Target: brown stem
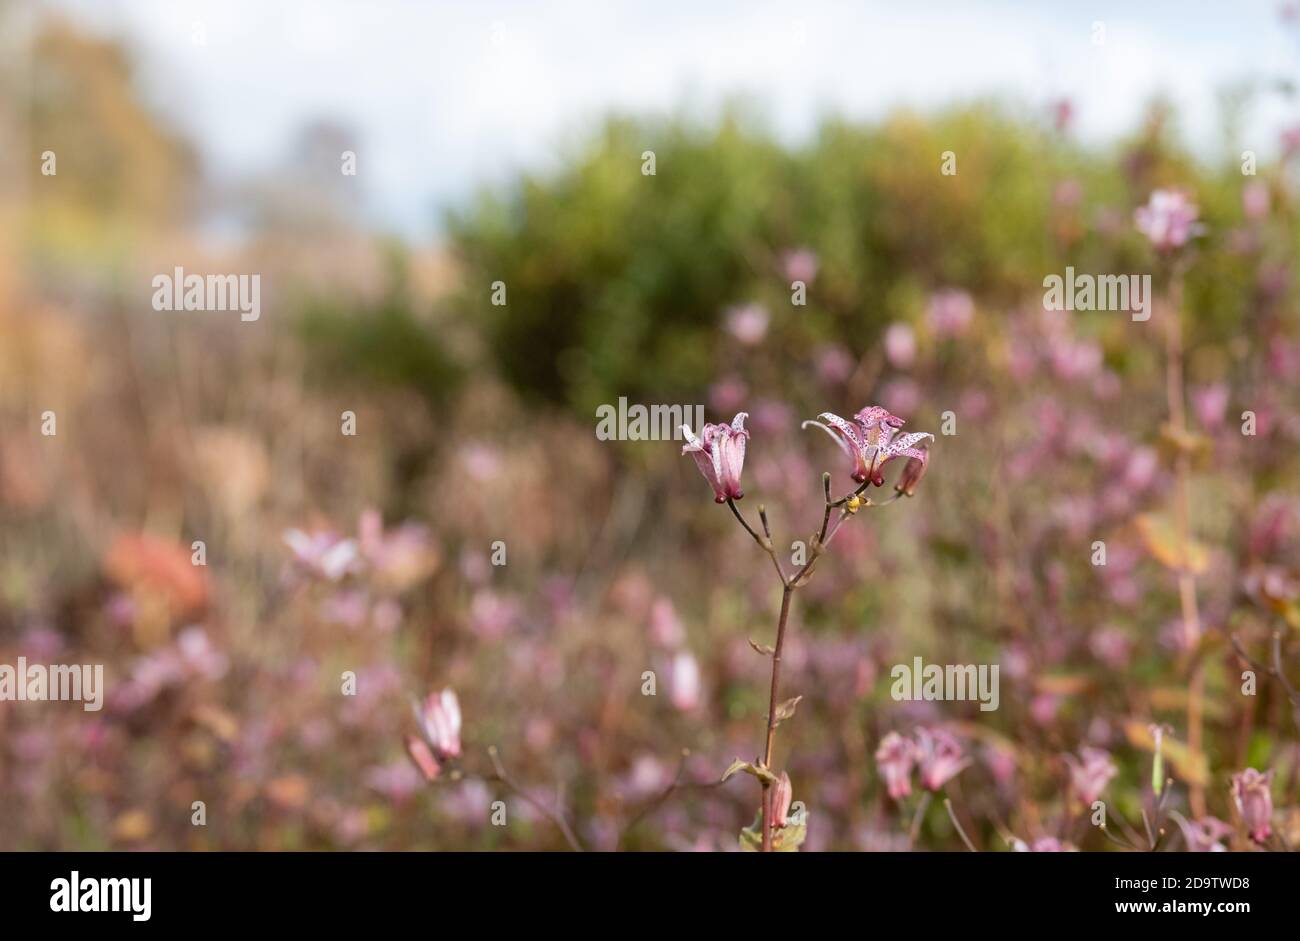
(786, 592)
(553, 815)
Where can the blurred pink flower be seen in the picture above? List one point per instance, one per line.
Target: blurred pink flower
(665, 626)
(719, 453)
(800, 264)
(939, 756)
(491, 615)
(423, 757)
(834, 364)
(396, 781)
(325, 554)
(1204, 835)
(901, 395)
(728, 393)
(950, 312)
(1211, 404)
(1111, 646)
(894, 759)
(748, 323)
(439, 716)
(1168, 219)
(900, 345)
(684, 679)
(1090, 772)
(481, 461)
(1255, 200)
(1254, 801)
(1062, 114)
(1290, 141)
(1043, 708)
(1046, 844)
(400, 556)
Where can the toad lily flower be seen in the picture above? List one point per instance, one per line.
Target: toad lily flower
(1090, 773)
(939, 756)
(1168, 220)
(439, 716)
(719, 453)
(895, 758)
(869, 442)
(1250, 792)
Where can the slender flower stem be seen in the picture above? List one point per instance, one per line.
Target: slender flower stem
(1182, 510)
(921, 807)
(764, 543)
(788, 586)
(947, 805)
(786, 593)
(551, 814)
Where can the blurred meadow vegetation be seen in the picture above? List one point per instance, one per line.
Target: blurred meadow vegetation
(477, 424)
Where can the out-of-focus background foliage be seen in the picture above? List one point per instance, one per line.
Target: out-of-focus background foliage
(476, 425)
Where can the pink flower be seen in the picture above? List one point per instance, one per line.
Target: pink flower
(800, 265)
(748, 324)
(895, 758)
(439, 716)
(939, 756)
(1210, 403)
(1291, 140)
(1255, 200)
(665, 626)
(951, 312)
(782, 795)
(422, 757)
(684, 675)
(719, 453)
(1046, 844)
(1062, 114)
(325, 554)
(835, 364)
(900, 345)
(869, 442)
(1090, 773)
(1250, 792)
(1204, 835)
(1168, 219)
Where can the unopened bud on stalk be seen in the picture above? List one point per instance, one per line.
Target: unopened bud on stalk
(913, 471)
(782, 795)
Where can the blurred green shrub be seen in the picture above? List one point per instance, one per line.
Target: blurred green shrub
(618, 281)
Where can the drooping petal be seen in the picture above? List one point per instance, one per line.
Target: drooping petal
(909, 441)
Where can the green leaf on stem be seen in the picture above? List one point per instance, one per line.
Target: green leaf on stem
(785, 839)
(786, 709)
(767, 777)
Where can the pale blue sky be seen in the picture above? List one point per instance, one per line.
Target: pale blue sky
(445, 95)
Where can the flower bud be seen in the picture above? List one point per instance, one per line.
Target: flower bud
(782, 795)
(1251, 794)
(913, 471)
